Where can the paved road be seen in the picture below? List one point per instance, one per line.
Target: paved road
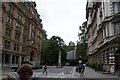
(78, 79)
(53, 69)
(69, 73)
(53, 72)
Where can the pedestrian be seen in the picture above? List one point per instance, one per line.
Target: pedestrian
(25, 73)
(7, 77)
(81, 69)
(45, 69)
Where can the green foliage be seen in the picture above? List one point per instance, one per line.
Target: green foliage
(82, 44)
(96, 65)
(70, 46)
(82, 50)
(51, 50)
(82, 34)
(44, 35)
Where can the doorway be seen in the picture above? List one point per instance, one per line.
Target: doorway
(117, 60)
(32, 56)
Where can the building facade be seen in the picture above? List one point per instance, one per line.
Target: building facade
(21, 33)
(103, 22)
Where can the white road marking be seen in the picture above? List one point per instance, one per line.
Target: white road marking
(73, 71)
(62, 73)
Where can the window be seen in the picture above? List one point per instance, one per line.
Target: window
(16, 47)
(116, 7)
(17, 36)
(1, 18)
(100, 15)
(117, 28)
(7, 45)
(13, 59)
(8, 32)
(10, 9)
(23, 49)
(17, 59)
(17, 25)
(38, 33)
(9, 20)
(39, 46)
(7, 59)
(108, 31)
(33, 27)
(32, 35)
(26, 22)
(104, 31)
(19, 16)
(24, 39)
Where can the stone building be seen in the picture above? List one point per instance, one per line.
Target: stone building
(103, 21)
(21, 33)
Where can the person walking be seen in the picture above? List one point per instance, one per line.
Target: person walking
(45, 69)
(81, 69)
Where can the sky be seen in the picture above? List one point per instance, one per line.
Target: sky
(62, 17)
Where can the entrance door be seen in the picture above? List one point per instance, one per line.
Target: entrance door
(117, 60)
(31, 56)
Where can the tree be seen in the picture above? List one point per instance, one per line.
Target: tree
(70, 46)
(45, 44)
(83, 34)
(54, 44)
(44, 35)
(82, 44)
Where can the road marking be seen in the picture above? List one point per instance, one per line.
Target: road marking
(62, 73)
(72, 71)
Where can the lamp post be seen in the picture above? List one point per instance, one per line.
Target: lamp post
(59, 59)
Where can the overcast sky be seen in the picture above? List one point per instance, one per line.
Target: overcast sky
(62, 17)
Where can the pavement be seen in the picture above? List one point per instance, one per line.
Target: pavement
(7, 68)
(91, 73)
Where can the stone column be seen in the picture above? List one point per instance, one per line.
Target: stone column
(11, 59)
(20, 60)
(15, 59)
(59, 59)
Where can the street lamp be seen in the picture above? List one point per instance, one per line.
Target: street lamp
(59, 59)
